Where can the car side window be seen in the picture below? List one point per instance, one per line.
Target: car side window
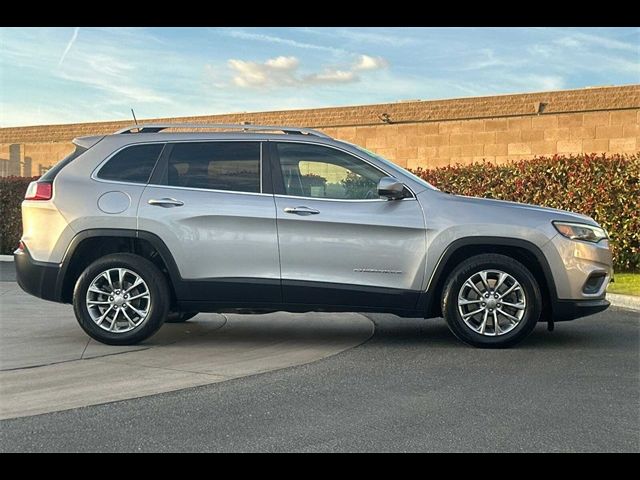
(233, 166)
(133, 164)
(321, 172)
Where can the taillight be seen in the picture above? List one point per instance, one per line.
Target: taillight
(20, 248)
(39, 191)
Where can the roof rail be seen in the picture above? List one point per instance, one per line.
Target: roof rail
(155, 128)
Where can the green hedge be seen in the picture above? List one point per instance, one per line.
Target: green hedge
(605, 187)
(12, 190)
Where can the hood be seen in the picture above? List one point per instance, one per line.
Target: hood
(551, 213)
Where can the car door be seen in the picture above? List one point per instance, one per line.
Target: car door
(340, 243)
(206, 203)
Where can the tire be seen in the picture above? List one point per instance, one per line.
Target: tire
(180, 317)
(134, 328)
(526, 299)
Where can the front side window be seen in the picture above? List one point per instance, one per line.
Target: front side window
(233, 166)
(133, 164)
(322, 172)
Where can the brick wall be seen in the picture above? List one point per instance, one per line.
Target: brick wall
(421, 133)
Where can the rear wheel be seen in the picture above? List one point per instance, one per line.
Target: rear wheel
(121, 299)
(491, 301)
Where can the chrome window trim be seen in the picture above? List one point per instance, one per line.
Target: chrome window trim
(235, 192)
(262, 142)
(344, 199)
(335, 147)
(94, 174)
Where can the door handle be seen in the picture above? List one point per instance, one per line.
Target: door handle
(165, 202)
(301, 210)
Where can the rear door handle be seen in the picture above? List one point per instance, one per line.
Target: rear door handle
(165, 202)
(302, 210)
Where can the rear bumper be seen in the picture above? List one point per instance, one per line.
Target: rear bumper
(572, 309)
(37, 278)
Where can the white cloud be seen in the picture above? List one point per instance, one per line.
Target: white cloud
(283, 71)
(260, 37)
(283, 63)
(365, 62)
(275, 71)
(331, 76)
(568, 42)
(111, 75)
(99, 62)
(106, 71)
(487, 58)
(581, 39)
(543, 82)
(389, 37)
(69, 45)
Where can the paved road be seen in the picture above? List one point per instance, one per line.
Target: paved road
(48, 364)
(412, 387)
(7, 272)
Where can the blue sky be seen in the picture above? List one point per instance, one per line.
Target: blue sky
(64, 75)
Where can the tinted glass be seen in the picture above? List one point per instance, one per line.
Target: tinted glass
(321, 172)
(231, 166)
(133, 164)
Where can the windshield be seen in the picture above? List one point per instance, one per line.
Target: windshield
(394, 166)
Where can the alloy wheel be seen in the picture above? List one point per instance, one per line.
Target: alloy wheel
(118, 300)
(492, 302)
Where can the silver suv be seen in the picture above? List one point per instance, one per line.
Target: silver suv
(148, 225)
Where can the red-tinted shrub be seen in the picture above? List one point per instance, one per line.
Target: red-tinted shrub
(12, 190)
(605, 187)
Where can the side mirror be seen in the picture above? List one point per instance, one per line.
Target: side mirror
(390, 187)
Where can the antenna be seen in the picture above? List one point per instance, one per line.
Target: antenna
(134, 116)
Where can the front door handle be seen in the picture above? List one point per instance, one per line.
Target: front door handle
(301, 210)
(165, 202)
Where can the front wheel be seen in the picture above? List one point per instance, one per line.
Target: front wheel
(491, 301)
(180, 317)
(121, 299)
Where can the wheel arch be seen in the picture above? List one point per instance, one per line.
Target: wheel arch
(88, 245)
(521, 250)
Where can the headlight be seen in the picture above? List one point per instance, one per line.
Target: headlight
(580, 231)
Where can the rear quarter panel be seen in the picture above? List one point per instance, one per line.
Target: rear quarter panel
(76, 197)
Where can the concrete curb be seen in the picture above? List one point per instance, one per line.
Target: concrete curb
(6, 258)
(625, 301)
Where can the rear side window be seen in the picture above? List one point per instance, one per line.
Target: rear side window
(233, 166)
(133, 164)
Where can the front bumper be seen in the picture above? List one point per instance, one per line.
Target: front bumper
(581, 272)
(571, 309)
(573, 262)
(37, 278)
